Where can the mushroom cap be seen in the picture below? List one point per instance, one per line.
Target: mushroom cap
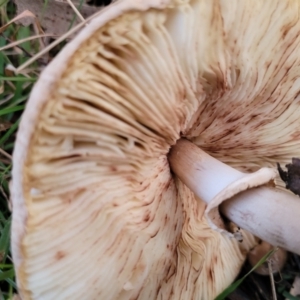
(97, 214)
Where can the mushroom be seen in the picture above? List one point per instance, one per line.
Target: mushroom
(97, 211)
(254, 209)
(275, 263)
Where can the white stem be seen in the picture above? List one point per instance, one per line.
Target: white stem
(270, 214)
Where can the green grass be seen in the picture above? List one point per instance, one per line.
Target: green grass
(238, 282)
(14, 91)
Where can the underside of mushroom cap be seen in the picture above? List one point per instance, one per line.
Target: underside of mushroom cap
(96, 210)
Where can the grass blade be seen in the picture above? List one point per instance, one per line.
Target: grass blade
(9, 132)
(4, 240)
(235, 285)
(7, 274)
(9, 110)
(15, 78)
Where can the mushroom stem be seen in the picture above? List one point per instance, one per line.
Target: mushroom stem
(266, 212)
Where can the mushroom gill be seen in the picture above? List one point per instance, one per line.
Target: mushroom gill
(104, 217)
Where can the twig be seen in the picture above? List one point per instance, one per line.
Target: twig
(274, 296)
(4, 194)
(76, 10)
(5, 153)
(16, 43)
(55, 43)
(5, 160)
